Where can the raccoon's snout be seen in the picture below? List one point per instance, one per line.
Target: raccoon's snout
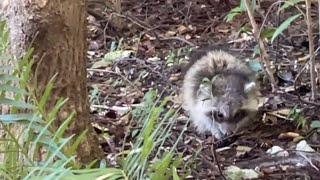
(219, 116)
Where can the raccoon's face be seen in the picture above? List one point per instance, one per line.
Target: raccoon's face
(224, 100)
(226, 108)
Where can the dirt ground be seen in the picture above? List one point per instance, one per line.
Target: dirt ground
(158, 35)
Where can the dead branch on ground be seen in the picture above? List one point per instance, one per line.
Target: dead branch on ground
(304, 159)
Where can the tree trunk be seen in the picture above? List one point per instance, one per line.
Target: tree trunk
(57, 31)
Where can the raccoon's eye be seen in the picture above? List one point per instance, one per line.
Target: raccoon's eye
(216, 115)
(219, 114)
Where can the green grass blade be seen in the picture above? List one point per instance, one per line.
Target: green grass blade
(54, 113)
(7, 77)
(11, 118)
(63, 127)
(17, 104)
(73, 149)
(175, 173)
(46, 94)
(8, 88)
(50, 159)
(284, 26)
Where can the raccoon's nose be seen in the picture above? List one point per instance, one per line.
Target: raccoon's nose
(219, 116)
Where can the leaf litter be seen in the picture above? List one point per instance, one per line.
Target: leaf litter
(149, 52)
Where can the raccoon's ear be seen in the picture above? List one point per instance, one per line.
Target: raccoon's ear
(249, 87)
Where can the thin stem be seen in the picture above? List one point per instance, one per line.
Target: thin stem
(311, 51)
(264, 56)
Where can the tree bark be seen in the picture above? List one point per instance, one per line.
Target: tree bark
(57, 32)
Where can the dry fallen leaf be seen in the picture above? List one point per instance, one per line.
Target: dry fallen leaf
(288, 135)
(268, 119)
(182, 29)
(170, 33)
(241, 150)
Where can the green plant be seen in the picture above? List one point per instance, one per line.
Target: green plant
(156, 129)
(175, 56)
(34, 148)
(235, 12)
(239, 10)
(32, 143)
(297, 117)
(284, 26)
(315, 125)
(269, 32)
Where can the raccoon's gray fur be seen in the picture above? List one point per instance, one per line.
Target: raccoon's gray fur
(220, 105)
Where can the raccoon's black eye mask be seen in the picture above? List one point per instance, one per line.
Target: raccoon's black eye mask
(240, 114)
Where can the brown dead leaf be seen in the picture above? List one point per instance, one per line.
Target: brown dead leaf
(149, 37)
(170, 33)
(288, 135)
(268, 119)
(223, 28)
(182, 29)
(282, 113)
(175, 77)
(147, 48)
(297, 139)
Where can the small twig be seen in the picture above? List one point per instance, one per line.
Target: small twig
(299, 98)
(297, 78)
(264, 56)
(111, 72)
(213, 24)
(142, 62)
(273, 161)
(133, 20)
(311, 51)
(144, 26)
(278, 40)
(214, 154)
(267, 14)
(308, 160)
(177, 38)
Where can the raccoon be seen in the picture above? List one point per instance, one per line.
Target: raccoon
(217, 91)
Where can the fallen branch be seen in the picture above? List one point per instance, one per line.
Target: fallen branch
(214, 154)
(304, 159)
(264, 55)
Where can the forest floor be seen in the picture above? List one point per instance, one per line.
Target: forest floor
(155, 36)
